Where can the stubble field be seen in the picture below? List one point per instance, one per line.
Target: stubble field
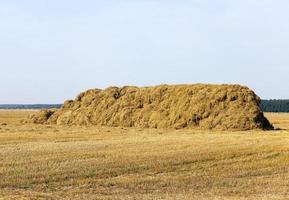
(72, 162)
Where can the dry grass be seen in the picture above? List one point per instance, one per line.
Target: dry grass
(197, 106)
(62, 162)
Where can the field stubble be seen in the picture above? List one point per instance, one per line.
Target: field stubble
(73, 162)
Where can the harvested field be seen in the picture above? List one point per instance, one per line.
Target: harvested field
(73, 162)
(200, 106)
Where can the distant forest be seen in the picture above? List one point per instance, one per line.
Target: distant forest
(30, 106)
(266, 106)
(275, 105)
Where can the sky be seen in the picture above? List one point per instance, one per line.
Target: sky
(51, 50)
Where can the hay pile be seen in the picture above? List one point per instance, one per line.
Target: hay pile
(218, 107)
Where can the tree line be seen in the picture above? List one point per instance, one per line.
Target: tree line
(274, 105)
(29, 106)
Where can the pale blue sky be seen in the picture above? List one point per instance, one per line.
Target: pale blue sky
(50, 50)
